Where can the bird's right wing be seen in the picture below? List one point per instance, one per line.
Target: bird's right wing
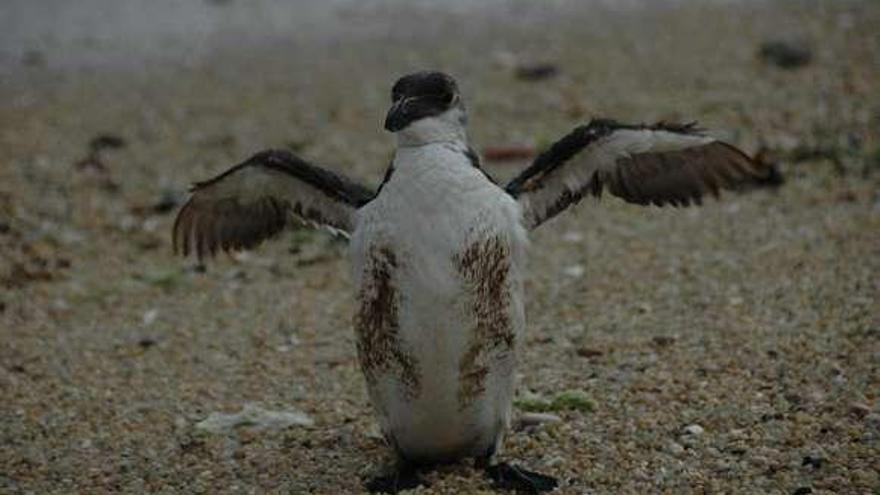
(256, 199)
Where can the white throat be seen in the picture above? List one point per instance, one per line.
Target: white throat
(449, 126)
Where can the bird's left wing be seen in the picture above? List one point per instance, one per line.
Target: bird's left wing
(255, 200)
(658, 164)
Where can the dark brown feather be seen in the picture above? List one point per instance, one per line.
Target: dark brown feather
(209, 222)
(679, 177)
(226, 225)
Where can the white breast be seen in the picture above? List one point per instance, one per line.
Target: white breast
(452, 234)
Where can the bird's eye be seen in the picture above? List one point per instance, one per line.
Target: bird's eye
(447, 97)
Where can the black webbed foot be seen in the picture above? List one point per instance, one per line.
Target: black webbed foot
(403, 478)
(508, 477)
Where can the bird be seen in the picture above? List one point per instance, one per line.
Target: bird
(438, 255)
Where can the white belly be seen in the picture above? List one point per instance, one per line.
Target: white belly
(438, 260)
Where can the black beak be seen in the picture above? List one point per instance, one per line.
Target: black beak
(397, 117)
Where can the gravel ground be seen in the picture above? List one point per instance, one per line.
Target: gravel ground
(727, 349)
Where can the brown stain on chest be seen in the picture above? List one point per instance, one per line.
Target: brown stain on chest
(377, 323)
(485, 269)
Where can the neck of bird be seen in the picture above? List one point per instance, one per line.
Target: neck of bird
(448, 127)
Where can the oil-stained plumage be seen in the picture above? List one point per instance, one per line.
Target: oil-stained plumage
(438, 255)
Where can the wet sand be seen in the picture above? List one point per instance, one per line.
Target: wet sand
(754, 317)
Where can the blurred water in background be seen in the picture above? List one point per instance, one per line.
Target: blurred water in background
(70, 34)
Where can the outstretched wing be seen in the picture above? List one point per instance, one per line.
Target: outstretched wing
(658, 164)
(255, 200)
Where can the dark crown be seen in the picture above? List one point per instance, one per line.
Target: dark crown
(426, 84)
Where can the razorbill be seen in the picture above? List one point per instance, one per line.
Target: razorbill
(438, 255)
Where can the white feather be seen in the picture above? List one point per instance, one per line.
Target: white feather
(434, 206)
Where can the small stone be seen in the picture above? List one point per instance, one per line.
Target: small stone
(375, 433)
(737, 434)
(675, 448)
(785, 54)
(814, 461)
(575, 271)
(150, 317)
(573, 237)
(253, 416)
(167, 201)
(694, 429)
(527, 419)
(663, 341)
(859, 410)
(106, 141)
(737, 450)
(588, 352)
(536, 71)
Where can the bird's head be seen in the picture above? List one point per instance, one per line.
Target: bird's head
(426, 107)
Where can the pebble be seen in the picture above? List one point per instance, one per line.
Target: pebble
(693, 429)
(675, 448)
(375, 433)
(859, 410)
(167, 202)
(149, 317)
(527, 419)
(575, 271)
(253, 416)
(814, 461)
(785, 54)
(106, 142)
(588, 352)
(760, 461)
(573, 236)
(737, 434)
(536, 71)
